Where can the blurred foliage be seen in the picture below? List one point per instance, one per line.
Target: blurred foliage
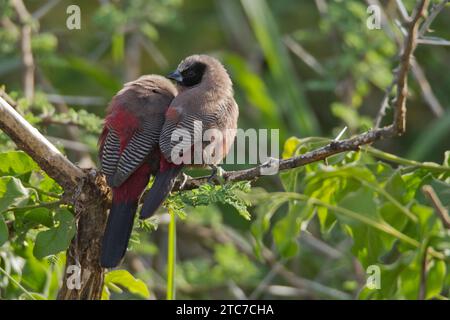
(314, 232)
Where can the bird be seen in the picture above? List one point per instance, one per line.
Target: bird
(129, 154)
(205, 95)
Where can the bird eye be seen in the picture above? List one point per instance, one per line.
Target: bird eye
(190, 73)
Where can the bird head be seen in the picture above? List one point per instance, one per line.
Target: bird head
(198, 69)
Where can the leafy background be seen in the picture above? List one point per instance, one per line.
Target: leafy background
(309, 233)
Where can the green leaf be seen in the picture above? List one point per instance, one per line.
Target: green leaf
(58, 238)
(396, 187)
(393, 216)
(290, 147)
(35, 271)
(118, 46)
(285, 234)
(126, 280)
(368, 243)
(442, 190)
(15, 163)
(381, 170)
(12, 193)
(435, 278)
(3, 231)
(41, 216)
(361, 201)
(446, 159)
(326, 193)
(389, 279)
(149, 31)
(229, 193)
(350, 117)
(266, 209)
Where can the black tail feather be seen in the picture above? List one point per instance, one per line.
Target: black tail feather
(117, 233)
(163, 184)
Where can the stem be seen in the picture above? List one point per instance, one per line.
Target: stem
(48, 205)
(394, 201)
(46, 193)
(171, 256)
(406, 162)
(17, 283)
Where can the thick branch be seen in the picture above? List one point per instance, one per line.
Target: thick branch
(89, 198)
(30, 140)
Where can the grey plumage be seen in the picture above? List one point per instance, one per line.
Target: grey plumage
(210, 101)
(205, 94)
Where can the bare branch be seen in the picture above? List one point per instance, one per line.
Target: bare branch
(419, 75)
(427, 91)
(133, 57)
(38, 147)
(433, 41)
(402, 9)
(440, 209)
(25, 46)
(70, 144)
(384, 104)
(322, 6)
(423, 275)
(434, 12)
(154, 52)
(305, 56)
(43, 10)
(7, 98)
(402, 83)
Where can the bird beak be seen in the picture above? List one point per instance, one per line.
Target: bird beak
(176, 75)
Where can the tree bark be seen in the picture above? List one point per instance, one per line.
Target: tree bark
(86, 190)
(84, 251)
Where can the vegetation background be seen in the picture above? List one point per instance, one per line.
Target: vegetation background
(308, 68)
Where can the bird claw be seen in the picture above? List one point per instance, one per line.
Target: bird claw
(217, 175)
(184, 179)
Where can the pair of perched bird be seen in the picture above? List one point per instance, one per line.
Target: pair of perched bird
(136, 142)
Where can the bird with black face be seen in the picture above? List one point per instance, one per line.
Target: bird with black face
(205, 95)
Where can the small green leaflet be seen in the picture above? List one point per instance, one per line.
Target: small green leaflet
(12, 193)
(123, 278)
(55, 239)
(16, 163)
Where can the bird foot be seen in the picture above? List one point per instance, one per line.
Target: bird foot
(184, 179)
(217, 175)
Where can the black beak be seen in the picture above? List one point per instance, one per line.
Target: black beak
(176, 75)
